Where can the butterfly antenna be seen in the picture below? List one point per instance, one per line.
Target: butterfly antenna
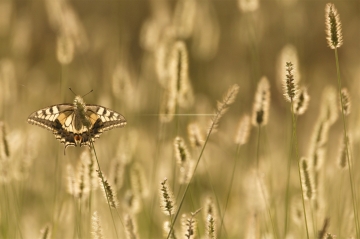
(87, 93)
(72, 91)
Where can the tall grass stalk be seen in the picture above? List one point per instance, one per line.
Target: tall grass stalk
(222, 107)
(106, 193)
(335, 40)
(287, 193)
(236, 158)
(353, 190)
(299, 168)
(215, 194)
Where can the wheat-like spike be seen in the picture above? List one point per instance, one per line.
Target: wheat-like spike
(346, 102)
(317, 159)
(290, 84)
(302, 101)
(211, 227)
(243, 131)
(209, 207)
(223, 106)
(342, 159)
(181, 152)
(288, 53)
(195, 136)
(307, 179)
(168, 105)
(97, 232)
(179, 75)
(109, 192)
(261, 103)
(82, 183)
(130, 227)
(183, 159)
(186, 172)
(333, 27)
(167, 198)
(189, 225)
(138, 180)
(210, 216)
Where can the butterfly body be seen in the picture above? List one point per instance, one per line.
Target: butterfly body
(77, 124)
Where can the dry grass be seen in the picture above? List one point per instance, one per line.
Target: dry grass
(201, 85)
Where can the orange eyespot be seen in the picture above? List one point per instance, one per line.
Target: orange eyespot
(77, 138)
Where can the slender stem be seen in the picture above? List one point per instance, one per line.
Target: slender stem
(258, 149)
(103, 183)
(288, 184)
(353, 193)
(216, 197)
(192, 176)
(298, 158)
(230, 186)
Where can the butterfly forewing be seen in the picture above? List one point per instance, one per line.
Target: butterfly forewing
(46, 117)
(72, 127)
(109, 118)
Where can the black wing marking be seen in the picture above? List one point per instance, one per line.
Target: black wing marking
(59, 119)
(109, 119)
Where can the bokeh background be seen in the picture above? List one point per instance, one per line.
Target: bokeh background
(116, 49)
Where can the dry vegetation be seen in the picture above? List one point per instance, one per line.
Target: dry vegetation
(241, 119)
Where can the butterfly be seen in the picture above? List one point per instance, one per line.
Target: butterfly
(77, 124)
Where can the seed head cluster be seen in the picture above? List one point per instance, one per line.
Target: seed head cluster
(333, 27)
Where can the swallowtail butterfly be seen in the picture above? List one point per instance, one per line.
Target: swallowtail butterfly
(77, 124)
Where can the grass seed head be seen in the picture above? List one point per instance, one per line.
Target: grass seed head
(346, 102)
(97, 232)
(333, 27)
(109, 192)
(223, 106)
(138, 180)
(195, 135)
(261, 103)
(243, 131)
(290, 84)
(307, 180)
(167, 199)
(302, 101)
(130, 227)
(65, 49)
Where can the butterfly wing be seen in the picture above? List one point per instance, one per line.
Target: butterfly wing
(63, 121)
(104, 118)
(101, 119)
(47, 117)
(57, 119)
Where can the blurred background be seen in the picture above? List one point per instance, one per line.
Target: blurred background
(122, 51)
